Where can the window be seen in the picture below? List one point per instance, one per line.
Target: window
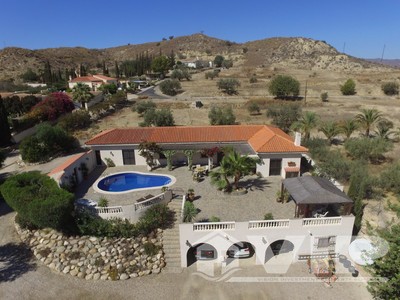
(325, 243)
(128, 157)
(275, 167)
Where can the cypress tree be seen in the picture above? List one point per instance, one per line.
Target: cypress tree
(5, 132)
(116, 70)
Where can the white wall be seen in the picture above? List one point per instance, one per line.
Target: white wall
(286, 158)
(302, 236)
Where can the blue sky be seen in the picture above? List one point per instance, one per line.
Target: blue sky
(364, 26)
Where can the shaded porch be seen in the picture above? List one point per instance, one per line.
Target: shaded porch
(317, 197)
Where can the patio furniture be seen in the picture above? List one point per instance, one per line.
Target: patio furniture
(317, 215)
(147, 197)
(86, 202)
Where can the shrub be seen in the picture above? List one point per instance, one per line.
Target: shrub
(214, 219)
(158, 118)
(157, 216)
(103, 202)
(283, 86)
(75, 121)
(228, 85)
(38, 200)
(371, 149)
(268, 216)
(151, 249)
(317, 147)
(227, 63)
(253, 108)
(390, 88)
(284, 116)
(189, 212)
(334, 165)
(181, 73)
(211, 74)
(143, 106)
(390, 179)
(48, 141)
(218, 60)
(52, 107)
(348, 88)
(218, 116)
(170, 87)
(109, 162)
(324, 97)
(253, 79)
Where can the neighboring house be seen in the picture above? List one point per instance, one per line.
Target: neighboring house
(94, 81)
(197, 64)
(277, 150)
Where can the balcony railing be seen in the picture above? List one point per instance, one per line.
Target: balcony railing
(214, 226)
(109, 209)
(149, 202)
(269, 224)
(322, 221)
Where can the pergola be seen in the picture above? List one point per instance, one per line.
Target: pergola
(312, 193)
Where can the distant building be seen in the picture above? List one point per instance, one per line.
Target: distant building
(94, 81)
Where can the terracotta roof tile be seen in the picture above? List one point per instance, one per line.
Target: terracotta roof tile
(261, 138)
(66, 164)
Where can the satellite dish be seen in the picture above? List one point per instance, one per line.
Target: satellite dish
(363, 251)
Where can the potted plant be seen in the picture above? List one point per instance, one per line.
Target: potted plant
(190, 194)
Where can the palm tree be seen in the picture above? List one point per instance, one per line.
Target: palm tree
(368, 118)
(169, 154)
(81, 92)
(233, 165)
(348, 127)
(383, 129)
(306, 123)
(330, 129)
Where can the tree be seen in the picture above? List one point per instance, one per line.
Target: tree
(284, 116)
(75, 121)
(30, 76)
(158, 118)
(81, 93)
(109, 89)
(228, 85)
(170, 87)
(368, 149)
(368, 118)
(283, 86)
(147, 150)
(181, 73)
(5, 132)
(211, 74)
(168, 155)
(160, 64)
(38, 200)
(233, 165)
(189, 212)
(189, 155)
(117, 72)
(384, 129)
(330, 129)
(144, 106)
(253, 108)
(347, 127)
(348, 88)
(218, 116)
(390, 88)
(306, 123)
(218, 61)
(387, 267)
(227, 64)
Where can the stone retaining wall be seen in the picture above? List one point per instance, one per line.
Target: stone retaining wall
(94, 258)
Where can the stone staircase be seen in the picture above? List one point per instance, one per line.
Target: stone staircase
(172, 252)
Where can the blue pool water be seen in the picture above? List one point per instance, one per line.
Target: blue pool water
(122, 182)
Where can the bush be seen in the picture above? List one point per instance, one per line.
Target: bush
(390, 88)
(268, 216)
(109, 162)
(157, 216)
(253, 108)
(48, 141)
(253, 79)
(180, 74)
(390, 179)
(151, 249)
(317, 147)
(218, 116)
(143, 106)
(228, 85)
(211, 74)
(158, 118)
(214, 219)
(53, 106)
(38, 200)
(227, 63)
(103, 202)
(372, 149)
(74, 121)
(189, 212)
(348, 88)
(170, 87)
(284, 116)
(218, 60)
(334, 165)
(324, 97)
(283, 86)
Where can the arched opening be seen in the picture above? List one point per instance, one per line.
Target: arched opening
(202, 251)
(278, 247)
(240, 250)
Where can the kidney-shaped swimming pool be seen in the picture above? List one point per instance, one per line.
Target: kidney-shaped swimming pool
(125, 182)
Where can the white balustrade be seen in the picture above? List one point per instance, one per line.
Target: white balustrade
(322, 221)
(109, 209)
(209, 226)
(268, 224)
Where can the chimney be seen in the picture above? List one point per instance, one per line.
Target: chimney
(297, 138)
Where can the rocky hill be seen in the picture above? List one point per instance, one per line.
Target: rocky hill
(291, 52)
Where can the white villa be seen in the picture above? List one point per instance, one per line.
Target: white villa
(94, 81)
(279, 153)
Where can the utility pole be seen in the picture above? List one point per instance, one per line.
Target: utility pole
(305, 95)
(344, 47)
(383, 52)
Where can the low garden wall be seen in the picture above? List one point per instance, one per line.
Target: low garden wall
(96, 258)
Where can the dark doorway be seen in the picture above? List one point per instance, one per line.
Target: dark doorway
(275, 166)
(200, 252)
(128, 157)
(278, 247)
(99, 162)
